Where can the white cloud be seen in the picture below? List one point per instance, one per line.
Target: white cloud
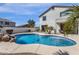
(16, 10)
(21, 9)
(4, 9)
(28, 4)
(24, 8)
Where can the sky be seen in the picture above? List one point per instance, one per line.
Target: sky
(22, 12)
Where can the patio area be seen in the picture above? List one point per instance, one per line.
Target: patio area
(38, 49)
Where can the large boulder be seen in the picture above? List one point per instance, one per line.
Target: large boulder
(1, 37)
(6, 38)
(12, 39)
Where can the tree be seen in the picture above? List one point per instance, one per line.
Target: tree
(70, 25)
(31, 23)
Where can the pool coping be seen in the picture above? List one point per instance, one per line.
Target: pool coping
(48, 35)
(45, 49)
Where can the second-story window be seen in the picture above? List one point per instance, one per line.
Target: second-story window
(1, 23)
(6, 23)
(64, 13)
(44, 18)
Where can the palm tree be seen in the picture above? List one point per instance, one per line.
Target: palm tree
(31, 23)
(71, 24)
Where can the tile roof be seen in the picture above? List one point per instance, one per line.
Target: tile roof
(2, 19)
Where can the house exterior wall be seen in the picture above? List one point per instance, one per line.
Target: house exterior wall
(50, 21)
(52, 16)
(11, 24)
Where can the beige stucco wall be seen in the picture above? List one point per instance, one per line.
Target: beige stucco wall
(51, 16)
(11, 24)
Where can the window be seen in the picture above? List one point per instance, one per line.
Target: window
(64, 13)
(6, 23)
(1, 23)
(44, 18)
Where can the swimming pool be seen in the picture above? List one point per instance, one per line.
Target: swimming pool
(42, 39)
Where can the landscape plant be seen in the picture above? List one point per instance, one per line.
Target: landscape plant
(31, 23)
(71, 24)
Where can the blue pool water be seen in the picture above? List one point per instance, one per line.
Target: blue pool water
(46, 40)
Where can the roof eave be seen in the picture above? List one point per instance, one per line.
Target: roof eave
(53, 8)
(46, 11)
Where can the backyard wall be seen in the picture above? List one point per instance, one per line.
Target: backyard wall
(19, 30)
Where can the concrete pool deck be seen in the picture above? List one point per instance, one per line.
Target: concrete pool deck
(7, 47)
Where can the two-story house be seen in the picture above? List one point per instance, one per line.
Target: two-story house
(6, 23)
(55, 16)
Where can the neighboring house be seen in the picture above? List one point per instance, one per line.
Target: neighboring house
(55, 16)
(6, 23)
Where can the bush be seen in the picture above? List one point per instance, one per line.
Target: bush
(38, 29)
(29, 30)
(50, 29)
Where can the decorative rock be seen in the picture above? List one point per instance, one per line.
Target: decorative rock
(6, 38)
(12, 39)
